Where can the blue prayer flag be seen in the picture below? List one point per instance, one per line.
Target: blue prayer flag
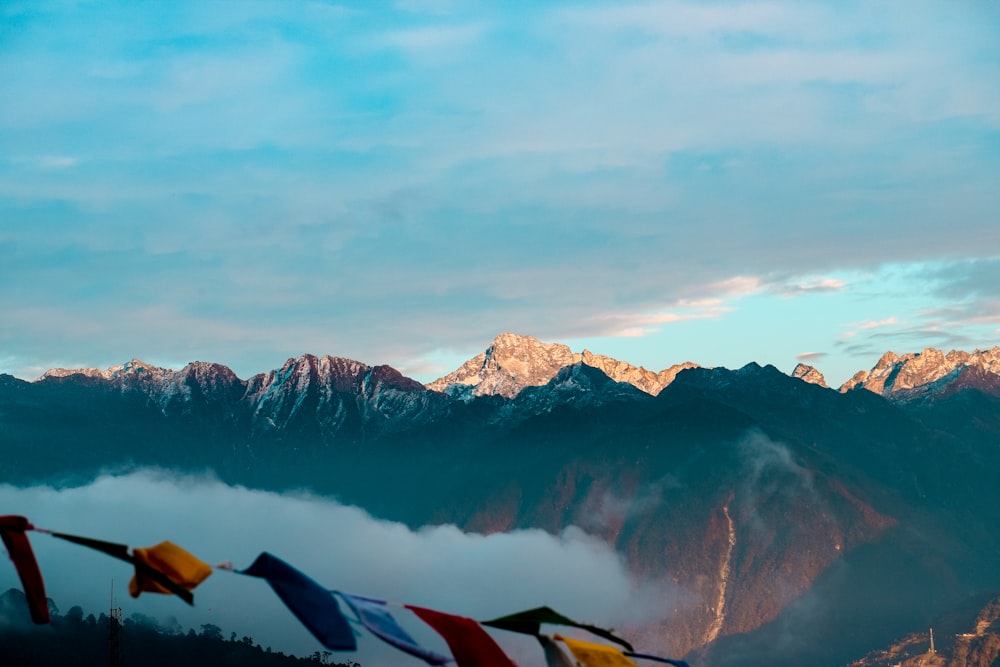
(312, 604)
(374, 616)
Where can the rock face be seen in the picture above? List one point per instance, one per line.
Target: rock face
(637, 376)
(508, 365)
(512, 363)
(197, 384)
(915, 375)
(134, 372)
(320, 396)
(809, 374)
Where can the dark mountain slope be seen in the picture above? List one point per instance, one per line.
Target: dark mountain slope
(757, 499)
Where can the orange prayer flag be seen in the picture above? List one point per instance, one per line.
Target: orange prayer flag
(175, 563)
(595, 655)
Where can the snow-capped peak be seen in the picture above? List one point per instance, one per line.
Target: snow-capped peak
(908, 374)
(513, 362)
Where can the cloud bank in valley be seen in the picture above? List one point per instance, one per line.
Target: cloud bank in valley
(340, 546)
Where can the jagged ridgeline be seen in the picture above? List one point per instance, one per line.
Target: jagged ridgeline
(806, 525)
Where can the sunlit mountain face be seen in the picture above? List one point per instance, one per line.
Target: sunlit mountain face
(776, 518)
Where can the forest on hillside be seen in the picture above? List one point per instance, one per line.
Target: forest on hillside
(74, 639)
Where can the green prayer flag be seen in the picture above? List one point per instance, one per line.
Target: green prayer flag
(529, 623)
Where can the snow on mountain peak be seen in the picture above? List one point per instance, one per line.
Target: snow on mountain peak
(513, 362)
(508, 365)
(133, 367)
(915, 373)
(809, 374)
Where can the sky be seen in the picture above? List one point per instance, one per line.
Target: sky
(397, 183)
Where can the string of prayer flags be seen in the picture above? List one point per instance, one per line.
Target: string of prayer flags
(554, 656)
(595, 655)
(468, 642)
(529, 622)
(656, 658)
(313, 605)
(12, 532)
(377, 619)
(143, 570)
(177, 564)
(167, 568)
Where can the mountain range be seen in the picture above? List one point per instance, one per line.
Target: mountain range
(793, 523)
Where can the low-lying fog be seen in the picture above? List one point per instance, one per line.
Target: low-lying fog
(342, 547)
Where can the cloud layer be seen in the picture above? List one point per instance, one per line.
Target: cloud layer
(340, 546)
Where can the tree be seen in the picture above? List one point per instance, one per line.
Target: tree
(75, 615)
(211, 631)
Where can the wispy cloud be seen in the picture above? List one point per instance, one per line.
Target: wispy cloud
(635, 325)
(808, 286)
(970, 290)
(646, 324)
(868, 324)
(737, 286)
(965, 311)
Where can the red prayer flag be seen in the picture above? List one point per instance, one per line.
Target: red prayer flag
(12, 529)
(469, 643)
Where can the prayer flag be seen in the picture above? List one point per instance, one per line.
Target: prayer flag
(120, 551)
(596, 655)
(313, 605)
(468, 642)
(174, 562)
(18, 547)
(374, 616)
(529, 622)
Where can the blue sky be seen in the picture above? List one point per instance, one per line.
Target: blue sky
(717, 182)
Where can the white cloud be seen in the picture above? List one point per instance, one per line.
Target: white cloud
(635, 325)
(809, 286)
(868, 324)
(737, 286)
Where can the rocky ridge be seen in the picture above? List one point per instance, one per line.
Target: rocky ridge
(509, 365)
(513, 362)
(133, 370)
(909, 376)
(809, 374)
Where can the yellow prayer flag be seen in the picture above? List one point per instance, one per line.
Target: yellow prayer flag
(595, 655)
(173, 562)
